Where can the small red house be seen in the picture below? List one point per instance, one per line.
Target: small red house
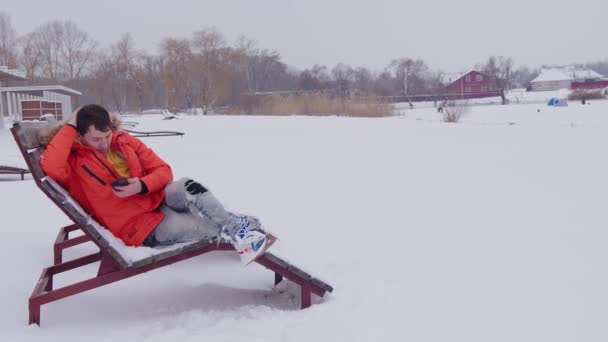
(472, 85)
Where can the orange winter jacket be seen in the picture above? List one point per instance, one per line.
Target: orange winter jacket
(87, 176)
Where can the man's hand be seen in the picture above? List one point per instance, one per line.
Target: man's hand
(72, 119)
(133, 188)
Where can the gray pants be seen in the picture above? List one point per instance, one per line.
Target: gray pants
(200, 217)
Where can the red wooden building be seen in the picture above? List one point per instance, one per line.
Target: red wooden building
(472, 85)
(593, 84)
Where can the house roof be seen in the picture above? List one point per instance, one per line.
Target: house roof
(451, 77)
(547, 75)
(566, 74)
(585, 74)
(7, 74)
(55, 88)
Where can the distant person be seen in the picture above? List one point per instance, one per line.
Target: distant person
(441, 106)
(123, 184)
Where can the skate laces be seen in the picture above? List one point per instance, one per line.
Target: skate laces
(248, 240)
(224, 235)
(242, 221)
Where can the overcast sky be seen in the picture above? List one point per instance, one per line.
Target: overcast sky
(448, 35)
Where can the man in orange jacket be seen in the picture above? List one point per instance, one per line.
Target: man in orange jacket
(124, 185)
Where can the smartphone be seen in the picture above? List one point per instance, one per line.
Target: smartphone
(120, 182)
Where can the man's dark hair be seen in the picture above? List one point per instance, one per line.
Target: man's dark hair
(94, 115)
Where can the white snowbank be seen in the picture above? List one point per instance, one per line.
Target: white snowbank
(492, 229)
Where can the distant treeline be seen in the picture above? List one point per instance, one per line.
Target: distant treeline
(206, 72)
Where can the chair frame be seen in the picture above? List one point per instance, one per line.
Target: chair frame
(10, 170)
(112, 266)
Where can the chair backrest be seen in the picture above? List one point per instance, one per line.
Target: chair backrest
(28, 132)
(27, 137)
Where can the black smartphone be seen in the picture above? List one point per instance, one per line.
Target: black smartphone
(120, 182)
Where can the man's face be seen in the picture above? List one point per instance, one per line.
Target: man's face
(97, 139)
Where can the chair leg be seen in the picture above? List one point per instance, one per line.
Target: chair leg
(306, 300)
(277, 279)
(34, 313)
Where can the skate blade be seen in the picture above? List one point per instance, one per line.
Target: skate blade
(270, 240)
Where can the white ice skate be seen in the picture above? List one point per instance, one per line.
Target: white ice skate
(250, 244)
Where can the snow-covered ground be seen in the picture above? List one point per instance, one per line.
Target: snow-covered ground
(514, 96)
(492, 229)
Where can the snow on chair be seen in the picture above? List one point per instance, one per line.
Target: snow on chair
(117, 261)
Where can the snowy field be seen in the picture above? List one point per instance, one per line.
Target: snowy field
(492, 229)
(514, 96)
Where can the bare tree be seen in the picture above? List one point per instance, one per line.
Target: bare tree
(101, 82)
(76, 50)
(137, 74)
(65, 50)
(47, 40)
(434, 86)
(410, 74)
(500, 70)
(209, 46)
(385, 84)
(523, 76)
(29, 57)
(8, 42)
(362, 81)
(266, 69)
(176, 55)
(308, 82)
(246, 49)
(101, 77)
(314, 79)
(153, 83)
(343, 76)
(123, 58)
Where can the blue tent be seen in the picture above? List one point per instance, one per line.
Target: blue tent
(557, 102)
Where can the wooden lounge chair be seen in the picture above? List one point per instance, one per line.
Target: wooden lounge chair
(10, 170)
(118, 262)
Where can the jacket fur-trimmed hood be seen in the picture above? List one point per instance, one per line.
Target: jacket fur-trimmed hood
(46, 135)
